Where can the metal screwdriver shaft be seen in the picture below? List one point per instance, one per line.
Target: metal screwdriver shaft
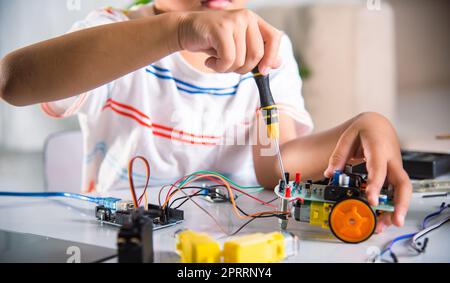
(271, 118)
(280, 160)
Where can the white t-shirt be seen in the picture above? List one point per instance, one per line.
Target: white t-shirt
(182, 120)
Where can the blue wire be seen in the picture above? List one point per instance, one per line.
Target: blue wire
(107, 202)
(428, 217)
(408, 236)
(50, 195)
(399, 238)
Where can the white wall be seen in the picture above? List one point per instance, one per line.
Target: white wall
(23, 22)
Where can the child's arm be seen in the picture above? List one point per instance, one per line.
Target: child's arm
(369, 136)
(80, 61)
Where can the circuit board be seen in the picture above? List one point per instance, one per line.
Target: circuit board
(316, 193)
(161, 218)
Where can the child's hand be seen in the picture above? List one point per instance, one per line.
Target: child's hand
(371, 136)
(236, 40)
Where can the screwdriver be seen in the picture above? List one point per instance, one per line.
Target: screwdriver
(271, 118)
(270, 113)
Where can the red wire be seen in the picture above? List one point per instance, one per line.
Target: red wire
(300, 199)
(174, 185)
(137, 202)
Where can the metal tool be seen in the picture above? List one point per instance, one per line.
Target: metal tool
(271, 118)
(270, 113)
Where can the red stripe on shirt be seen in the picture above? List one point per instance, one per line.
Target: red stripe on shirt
(156, 133)
(158, 126)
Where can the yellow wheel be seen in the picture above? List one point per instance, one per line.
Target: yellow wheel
(352, 220)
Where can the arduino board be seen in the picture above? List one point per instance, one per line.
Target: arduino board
(122, 216)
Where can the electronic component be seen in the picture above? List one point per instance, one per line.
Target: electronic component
(215, 194)
(161, 218)
(296, 210)
(336, 176)
(308, 189)
(305, 212)
(338, 204)
(319, 214)
(261, 248)
(335, 193)
(135, 239)
(298, 177)
(383, 199)
(197, 248)
(316, 213)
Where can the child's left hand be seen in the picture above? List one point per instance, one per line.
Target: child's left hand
(371, 136)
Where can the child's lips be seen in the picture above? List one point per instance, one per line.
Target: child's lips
(216, 4)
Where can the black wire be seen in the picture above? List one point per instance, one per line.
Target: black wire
(106, 259)
(394, 257)
(225, 198)
(186, 198)
(237, 206)
(243, 226)
(253, 219)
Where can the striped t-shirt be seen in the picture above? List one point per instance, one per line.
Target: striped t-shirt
(181, 119)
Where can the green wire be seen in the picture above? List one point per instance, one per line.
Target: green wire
(254, 189)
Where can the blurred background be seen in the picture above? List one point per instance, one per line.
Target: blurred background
(389, 56)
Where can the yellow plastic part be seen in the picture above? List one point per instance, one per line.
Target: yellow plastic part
(319, 213)
(197, 248)
(273, 131)
(352, 221)
(255, 248)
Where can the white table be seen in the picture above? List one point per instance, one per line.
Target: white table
(73, 220)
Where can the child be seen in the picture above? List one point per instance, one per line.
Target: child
(169, 80)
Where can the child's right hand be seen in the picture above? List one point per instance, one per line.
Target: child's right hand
(236, 40)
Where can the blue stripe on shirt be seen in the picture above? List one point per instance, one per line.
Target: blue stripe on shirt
(196, 89)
